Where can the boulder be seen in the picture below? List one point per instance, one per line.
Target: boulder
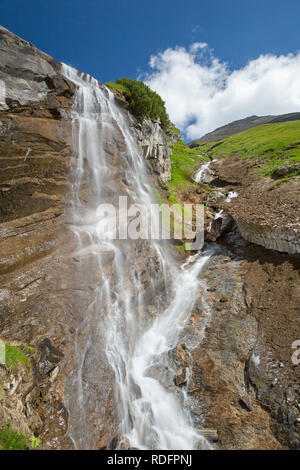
(156, 146)
(214, 198)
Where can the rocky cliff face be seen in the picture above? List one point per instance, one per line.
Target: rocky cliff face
(157, 148)
(43, 297)
(236, 351)
(242, 381)
(249, 383)
(35, 153)
(156, 145)
(266, 213)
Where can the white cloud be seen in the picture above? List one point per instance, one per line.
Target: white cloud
(202, 93)
(196, 46)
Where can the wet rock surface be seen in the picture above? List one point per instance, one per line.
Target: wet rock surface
(35, 154)
(31, 402)
(47, 283)
(238, 348)
(43, 300)
(29, 76)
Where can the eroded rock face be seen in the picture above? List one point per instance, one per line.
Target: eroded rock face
(266, 213)
(272, 295)
(275, 238)
(30, 402)
(157, 148)
(35, 155)
(234, 357)
(45, 297)
(27, 74)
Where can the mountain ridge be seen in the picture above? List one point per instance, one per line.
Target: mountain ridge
(241, 125)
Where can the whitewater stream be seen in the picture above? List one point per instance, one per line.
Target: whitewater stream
(150, 415)
(202, 171)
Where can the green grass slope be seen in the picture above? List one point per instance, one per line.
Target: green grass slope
(184, 161)
(273, 145)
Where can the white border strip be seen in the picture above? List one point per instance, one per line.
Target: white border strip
(2, 353)
(2, 92)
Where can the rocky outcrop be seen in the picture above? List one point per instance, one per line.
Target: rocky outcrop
(285, 239)
(235, 353)
(28, 75)
(30, 401)
(156, 146)
(265, 212)
(268, 215)
(215, 225)
(44, 295)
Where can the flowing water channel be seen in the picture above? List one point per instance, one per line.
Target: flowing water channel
(150, 415)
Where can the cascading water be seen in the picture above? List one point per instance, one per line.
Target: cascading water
(151, 415)
(201, 172)
(231, 195)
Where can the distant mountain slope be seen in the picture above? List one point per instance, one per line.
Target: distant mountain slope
(243, 124)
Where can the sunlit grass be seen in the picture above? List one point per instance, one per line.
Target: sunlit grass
(14, 356)
(184, 161)
(273, 145)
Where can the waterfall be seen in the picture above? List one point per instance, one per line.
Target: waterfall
(231, 195)
(200, 173)
(133, 274)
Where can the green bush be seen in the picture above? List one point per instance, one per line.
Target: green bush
(174, 130)
(12, 440)
(116, 87)
(143, 102)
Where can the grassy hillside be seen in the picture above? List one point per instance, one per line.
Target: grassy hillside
(184, 161)
(241, 125)
(273, 145)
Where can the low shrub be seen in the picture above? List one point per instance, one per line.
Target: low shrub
(143, 102)
(11, 439)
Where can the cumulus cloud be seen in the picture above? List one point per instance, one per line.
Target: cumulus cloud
(202, 93)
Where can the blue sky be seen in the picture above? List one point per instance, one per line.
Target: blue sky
(115, 39)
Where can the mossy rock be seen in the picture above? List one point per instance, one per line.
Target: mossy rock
(14, 356)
